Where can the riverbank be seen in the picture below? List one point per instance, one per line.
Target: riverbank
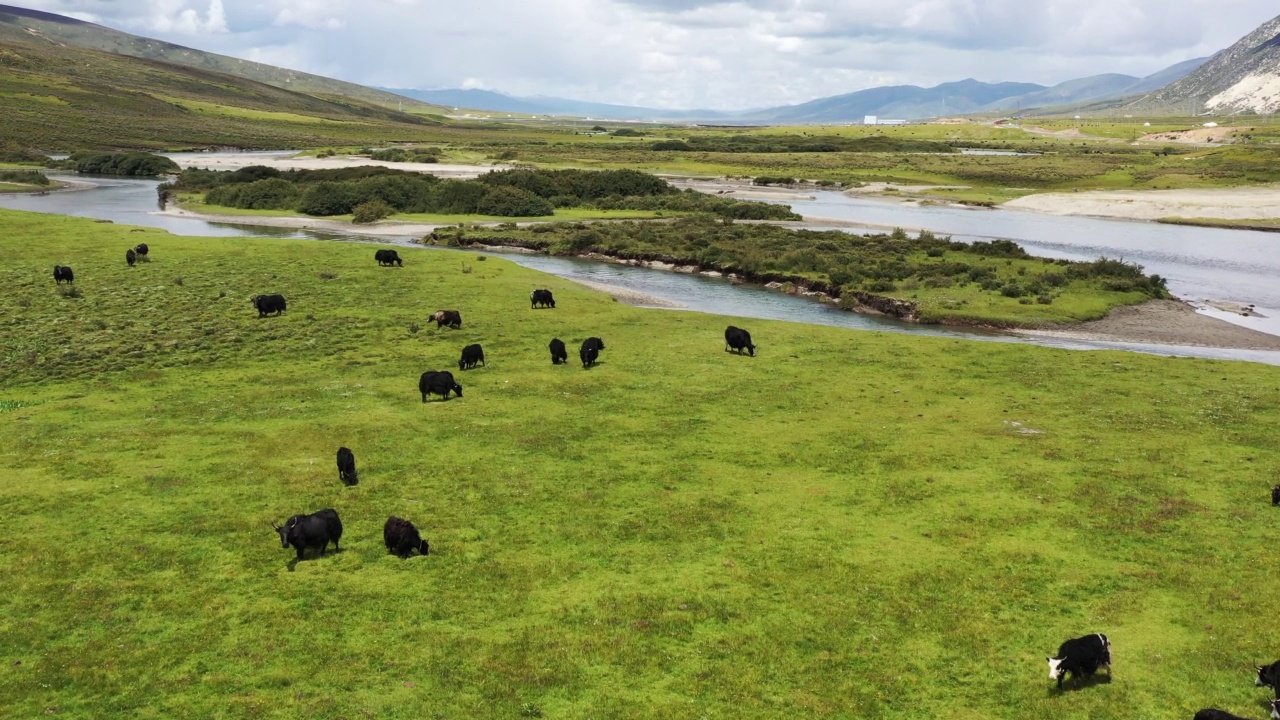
(1152, 322)
(1164, 322)
(1212, 204)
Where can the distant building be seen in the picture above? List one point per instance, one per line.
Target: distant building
(874, 120)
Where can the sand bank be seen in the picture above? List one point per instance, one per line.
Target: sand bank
(1165, 322)
(1245, 203)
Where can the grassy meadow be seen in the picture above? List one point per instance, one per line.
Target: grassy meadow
(850, 525)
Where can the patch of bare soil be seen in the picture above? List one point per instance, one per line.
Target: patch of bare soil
(1198, 136)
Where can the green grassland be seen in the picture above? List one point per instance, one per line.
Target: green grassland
(849, 525)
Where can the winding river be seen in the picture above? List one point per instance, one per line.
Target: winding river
(1199, 262)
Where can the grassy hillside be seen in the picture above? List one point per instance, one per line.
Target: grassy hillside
(848, 525)
(60, 30)
(61, 98)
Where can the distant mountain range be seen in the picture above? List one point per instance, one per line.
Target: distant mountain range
(904, 102)
(491, 101)
(1244, 78)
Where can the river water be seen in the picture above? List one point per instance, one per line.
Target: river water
(1185, 255)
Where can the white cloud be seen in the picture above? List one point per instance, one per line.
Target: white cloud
(691, 53)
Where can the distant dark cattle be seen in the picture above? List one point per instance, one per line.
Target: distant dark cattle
(388, 257)
(130, 257)
(471, 355)
(737, 340)
(559, 353)
(268, 304)
(142, 249)
(402, 538)
(451, 318)
(1215, 714)
(347, 467)
(1269, 676)
(543, 298)
(438, 383)
(1081, 657)
(61, 273)
(1275, 495)
(590, 351)
(316, 530)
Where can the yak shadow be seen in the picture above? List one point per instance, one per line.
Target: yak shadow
(310, 555)
(1078, 684)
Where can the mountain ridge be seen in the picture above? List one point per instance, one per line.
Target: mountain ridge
(1242, 78)
(60, 29)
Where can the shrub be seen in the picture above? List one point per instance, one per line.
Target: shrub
(1011, 290)
(24, 177)
(328, 198)
(273, 194)
(1045, 299)
(509, 201)
(137, 164)
(370, 211)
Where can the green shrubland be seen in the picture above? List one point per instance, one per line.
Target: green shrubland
(508, 193)
(850, 524)
(984, 283)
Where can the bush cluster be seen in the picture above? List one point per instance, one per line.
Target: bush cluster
(24, 177)
(509, 193)
(135, 164)
(399, 154)
(887, 263)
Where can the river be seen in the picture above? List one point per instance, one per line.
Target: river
(134, 202)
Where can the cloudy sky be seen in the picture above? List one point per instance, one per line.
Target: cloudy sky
(718, 54)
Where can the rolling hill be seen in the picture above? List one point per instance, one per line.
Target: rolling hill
(59, 97)
(59, 30)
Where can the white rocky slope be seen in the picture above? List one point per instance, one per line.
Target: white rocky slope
(1243, 78)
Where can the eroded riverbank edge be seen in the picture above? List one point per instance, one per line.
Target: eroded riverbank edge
(1157, 322)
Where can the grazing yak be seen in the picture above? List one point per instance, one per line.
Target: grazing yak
(386, 258)
(1275, 495)
(268, 304)
(737, 340)
(1275, 710)
(1216, 714)
(1269, 676)
(402, 538)
(451, 318)
(316, 530)
(559, 353)
(471, 355)
(590, 351)
(438, 383)
(142, 250)
(61, 273)
(347, 467)
(130, 257)
(543, 298)
(1081, 657)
